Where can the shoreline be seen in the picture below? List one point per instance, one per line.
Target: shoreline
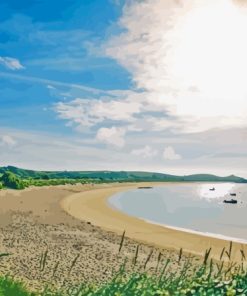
(196, 232)
(32, 223)
(93, 206)
(193, 231)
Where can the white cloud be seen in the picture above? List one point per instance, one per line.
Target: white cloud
(187, 78)
(128, 108)
(85, 113)
(188, 58)
(7, 140)
(145, 152)
(111, 136)
(118, 110)
(52, 152)
(11, 63)
(50, 86)
(170, 154)
(78, 112)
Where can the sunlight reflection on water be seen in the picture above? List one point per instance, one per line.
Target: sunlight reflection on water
(220, 190)
(190, 206)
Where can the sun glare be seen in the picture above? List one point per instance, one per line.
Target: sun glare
(208, 55)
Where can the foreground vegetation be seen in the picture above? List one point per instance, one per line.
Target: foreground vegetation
(9, 287)
(208, 279)
(181, 276)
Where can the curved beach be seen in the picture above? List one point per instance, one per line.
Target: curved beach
(92, 206)
(32, 223)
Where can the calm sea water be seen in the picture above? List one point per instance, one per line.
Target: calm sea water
(190, 206)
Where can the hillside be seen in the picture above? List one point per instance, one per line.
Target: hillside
(119, 176)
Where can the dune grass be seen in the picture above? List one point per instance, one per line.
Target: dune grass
(143, 284)
(208, 278)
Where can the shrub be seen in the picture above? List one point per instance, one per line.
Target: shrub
(11, 180)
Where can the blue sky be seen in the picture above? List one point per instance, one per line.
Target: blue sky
(114, 84)
(51, 39)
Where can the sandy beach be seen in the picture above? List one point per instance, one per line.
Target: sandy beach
(34, 226)
(93, 206)
(78, 234)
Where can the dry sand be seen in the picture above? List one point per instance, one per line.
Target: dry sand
(33, 223)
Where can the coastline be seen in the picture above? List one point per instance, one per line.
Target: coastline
(32, 223)
(69, 222)
(93, 206)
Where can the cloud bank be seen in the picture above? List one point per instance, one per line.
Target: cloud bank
(188, 65)
(189, 57)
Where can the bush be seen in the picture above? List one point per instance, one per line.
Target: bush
(11, 180)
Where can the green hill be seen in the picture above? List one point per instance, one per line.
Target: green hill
(116, 176)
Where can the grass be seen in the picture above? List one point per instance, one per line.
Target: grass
(43, 260)
(208, 278)
(9, 287)
(184, 278)
(122, 241)
(202, 282)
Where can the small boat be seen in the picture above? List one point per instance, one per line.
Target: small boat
(145, 187)
(233, 194)
(212, 189)
(231, 201)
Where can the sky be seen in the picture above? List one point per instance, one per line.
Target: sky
(148, 85)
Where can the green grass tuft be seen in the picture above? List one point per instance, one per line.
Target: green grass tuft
(205, 280)
(8, 287)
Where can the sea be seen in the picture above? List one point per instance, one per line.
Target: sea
(192, 207)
